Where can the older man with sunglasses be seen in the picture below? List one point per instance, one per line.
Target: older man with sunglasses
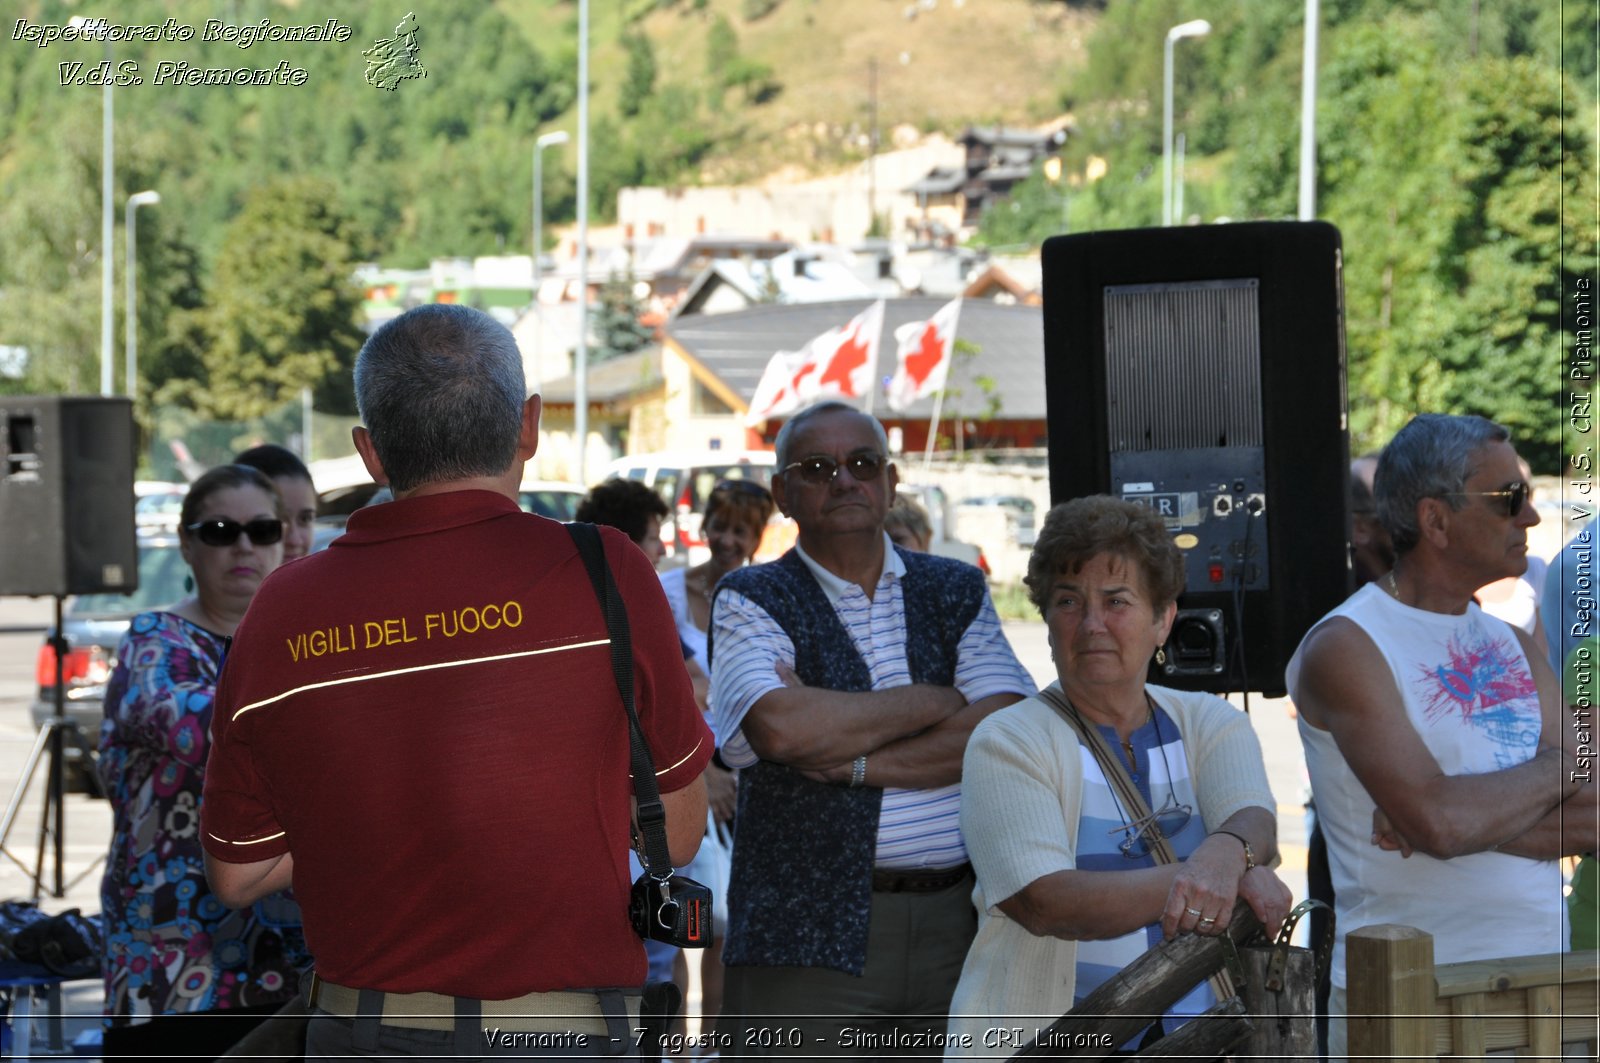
(846, 678)
(1447, 780)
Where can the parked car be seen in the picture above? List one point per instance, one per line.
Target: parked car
(684, 479)
(158, 505)
(555, 499)
(95, 623)
(550, 498)
(1019, 514)
(932, 498)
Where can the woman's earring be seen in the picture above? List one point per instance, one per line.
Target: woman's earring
(1161, 655)
(188, 583)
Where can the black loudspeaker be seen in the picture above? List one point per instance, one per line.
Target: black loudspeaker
(66, 495)
(1201, 371)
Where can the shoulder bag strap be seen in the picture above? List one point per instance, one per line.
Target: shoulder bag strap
(652, 814)
(1116, 773)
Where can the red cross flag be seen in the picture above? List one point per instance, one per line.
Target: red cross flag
(840, 363)
(847, 357)
(778, 393)
(923, 361)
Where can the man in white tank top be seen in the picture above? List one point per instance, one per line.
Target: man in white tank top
(1448, 779)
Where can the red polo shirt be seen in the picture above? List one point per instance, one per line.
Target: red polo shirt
(425, 715)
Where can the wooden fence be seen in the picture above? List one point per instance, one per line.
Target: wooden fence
(1402, 1006)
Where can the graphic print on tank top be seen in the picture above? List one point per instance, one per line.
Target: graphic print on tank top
(1484, 682)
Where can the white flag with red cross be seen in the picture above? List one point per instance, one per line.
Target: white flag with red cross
(840, 363)
(846, 358)
(777, 393)
(923, 356)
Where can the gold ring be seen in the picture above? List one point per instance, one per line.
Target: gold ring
(1208, 919)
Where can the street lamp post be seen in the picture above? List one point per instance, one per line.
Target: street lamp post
(108, 211)
(130, 311)
(1308, 116)
(1197, 28)
(549, 140)
(580, 358)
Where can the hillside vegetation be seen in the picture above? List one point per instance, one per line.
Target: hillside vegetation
(1454, 153)
(795, 86)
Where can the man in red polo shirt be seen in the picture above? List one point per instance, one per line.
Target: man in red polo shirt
(419, 729)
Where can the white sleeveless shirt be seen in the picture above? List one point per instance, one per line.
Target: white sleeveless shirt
(1470, 694)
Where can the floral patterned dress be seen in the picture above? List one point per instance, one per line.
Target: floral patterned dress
(170, 946)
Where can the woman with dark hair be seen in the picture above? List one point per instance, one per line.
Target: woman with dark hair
(1073, 882)
(631, 508)
(293, 481)
(183, 974)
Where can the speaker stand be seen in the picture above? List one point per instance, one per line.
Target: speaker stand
(52, 818)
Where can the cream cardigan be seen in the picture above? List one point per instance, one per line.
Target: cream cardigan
(1021, 784)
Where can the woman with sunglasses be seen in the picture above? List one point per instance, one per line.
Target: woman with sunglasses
(1071, 876)
(183, 974)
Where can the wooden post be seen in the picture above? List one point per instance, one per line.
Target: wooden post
(1285, 1020)
(1390, 992)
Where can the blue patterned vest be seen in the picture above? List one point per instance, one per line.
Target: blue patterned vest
(800, 890)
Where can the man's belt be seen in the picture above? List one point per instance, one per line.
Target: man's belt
(891, 880)
(560, 1012)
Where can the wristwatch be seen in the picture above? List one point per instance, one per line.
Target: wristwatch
(1249, 853)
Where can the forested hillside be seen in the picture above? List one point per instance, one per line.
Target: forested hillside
(1454, 153)
(683, 92)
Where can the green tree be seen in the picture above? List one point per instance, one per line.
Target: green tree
(50, 261)
(283, 309)
(639, 80)
(617, 328)
(1450, 203)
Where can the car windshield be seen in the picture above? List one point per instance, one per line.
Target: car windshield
(705, 477)
(557, 505)
(162, 504)
(161, 572)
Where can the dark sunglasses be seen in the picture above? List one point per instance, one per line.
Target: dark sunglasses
(819, 470)
(1512, 496)
(262, 531)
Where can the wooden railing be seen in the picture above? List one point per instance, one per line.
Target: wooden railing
(1402, 1006)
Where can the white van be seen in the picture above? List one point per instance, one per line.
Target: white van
(684, 479)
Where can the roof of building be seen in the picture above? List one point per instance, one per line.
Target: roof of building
(734, 348)
(939, 181)
(613, 380)
(816, 273)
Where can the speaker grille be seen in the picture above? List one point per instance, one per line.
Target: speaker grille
(1183, 365)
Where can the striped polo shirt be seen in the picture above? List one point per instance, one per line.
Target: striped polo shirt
(916, 828)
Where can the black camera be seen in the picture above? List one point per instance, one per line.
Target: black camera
(675, 910)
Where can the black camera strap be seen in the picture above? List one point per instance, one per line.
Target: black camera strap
(652, 814)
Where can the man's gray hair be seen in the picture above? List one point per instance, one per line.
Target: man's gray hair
(441, 390)
(780, 446)
(1429, 458)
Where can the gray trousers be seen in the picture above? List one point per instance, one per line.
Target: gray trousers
(916, 944)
